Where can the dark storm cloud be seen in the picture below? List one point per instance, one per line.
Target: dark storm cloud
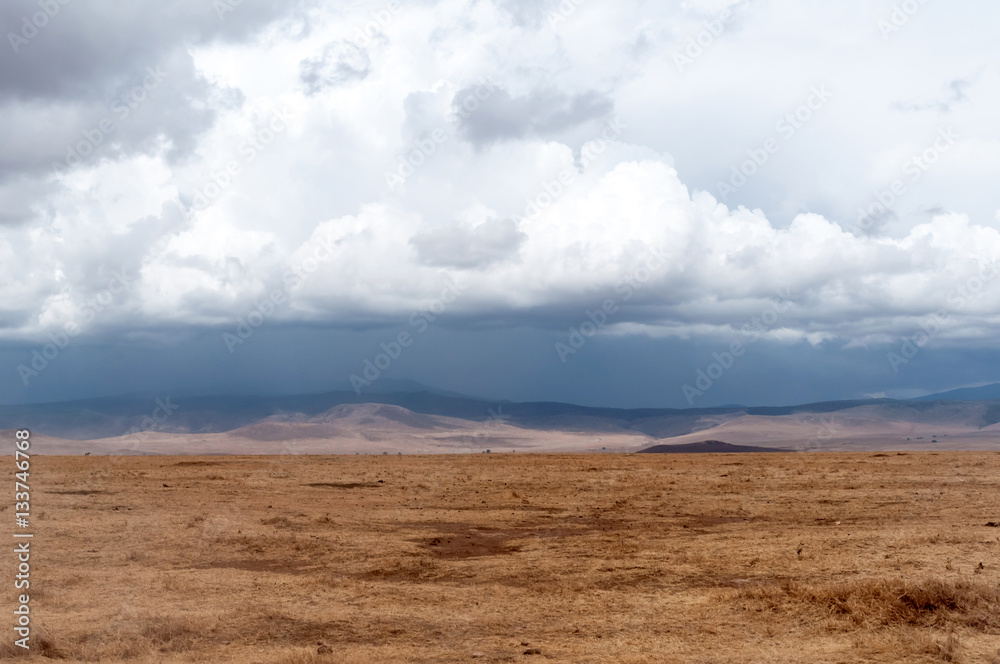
(462, 247)
(86, 48)
(340, 62)
(544, 112)
(103, 72)
(518, 364)
(165, 101)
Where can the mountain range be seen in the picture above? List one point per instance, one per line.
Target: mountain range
(424, 421)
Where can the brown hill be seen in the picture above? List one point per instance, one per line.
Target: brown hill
(706, 447)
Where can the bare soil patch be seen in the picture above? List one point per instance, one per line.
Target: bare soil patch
(343, 485)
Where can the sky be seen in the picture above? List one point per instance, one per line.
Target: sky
(630, 204)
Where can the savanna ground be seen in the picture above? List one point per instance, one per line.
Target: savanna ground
(868, 557)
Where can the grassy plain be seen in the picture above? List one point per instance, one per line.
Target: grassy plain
(811, 558)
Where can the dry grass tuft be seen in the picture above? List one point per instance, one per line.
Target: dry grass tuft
(950, 650)
(41, 643)
(912, 645)
(298, 656)
(884, 602)
(131, 637)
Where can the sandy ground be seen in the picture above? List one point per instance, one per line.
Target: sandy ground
(809, 558)
(494, 438)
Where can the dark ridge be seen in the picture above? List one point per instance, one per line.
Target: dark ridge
(981, 393)
(706, 447)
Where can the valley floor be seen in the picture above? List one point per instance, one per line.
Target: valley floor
(806, 558)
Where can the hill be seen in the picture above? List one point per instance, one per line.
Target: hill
(706, 447)
(981, 393)
(414, 422)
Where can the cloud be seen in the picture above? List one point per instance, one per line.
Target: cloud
(341, 62)
(526, 200)
(526, 13)
(469, 247)
(955, 94)
(544, 112)
(86, 50)
(102, 80)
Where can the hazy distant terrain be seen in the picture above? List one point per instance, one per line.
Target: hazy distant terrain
(430, 422)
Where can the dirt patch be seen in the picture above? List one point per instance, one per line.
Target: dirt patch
(632, 576)
(198, 463)
(343, 485)
(466, 540)
(733, 581)
(254, 565)
(702, 521)
(415, 571)
(497, 504)
(570, 526)
(270, 629)
(280, 522)
(463, 540)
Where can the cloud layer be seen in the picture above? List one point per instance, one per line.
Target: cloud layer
(535, 153)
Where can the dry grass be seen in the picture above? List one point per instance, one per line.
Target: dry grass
(876, 603)
(602, 558)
